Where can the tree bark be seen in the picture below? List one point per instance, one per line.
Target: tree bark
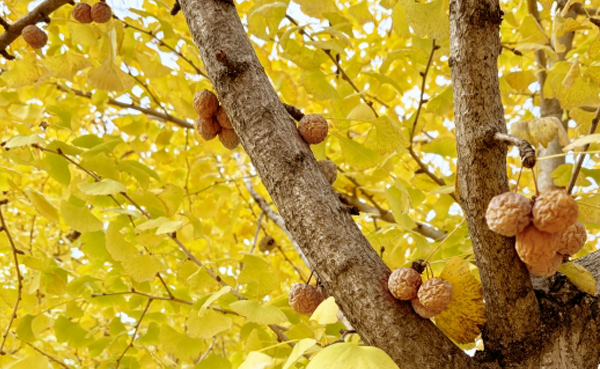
(511, 307)
(349, 268)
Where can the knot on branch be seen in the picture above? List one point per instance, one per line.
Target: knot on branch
(176, 8)
(233, 68)
(527, 153)
(296, 113)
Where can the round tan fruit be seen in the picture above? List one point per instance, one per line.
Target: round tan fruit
(508, 214)
(34, 36)
(404, 283)
(435, 294)
(554, 211)
(535, 247)
(572, 239)
(329, 169)
(305, 298)
(266, 244)
(422, 310)
(313, 128)
(229, 138)
(82, 13)
(208, 128)
(206, 103)
(101, 12)
(546, 268)
(223, 118)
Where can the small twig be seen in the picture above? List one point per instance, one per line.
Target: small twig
(15, 252)
(258, 227)
(52, 358)
(296, 113)
(512, 49)
(137, 327)
(444, 240)
(4, 24)
(208, 350)
(583, 153)
(422, 101)
(345, 333)
(526, 150)
(165, 285)
(176, 8)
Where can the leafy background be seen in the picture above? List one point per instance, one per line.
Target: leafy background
(116, 98)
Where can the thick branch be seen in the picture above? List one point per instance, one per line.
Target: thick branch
(511, 305)
(39, 14)
(348, 266)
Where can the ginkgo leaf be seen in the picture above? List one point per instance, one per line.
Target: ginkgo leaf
(171, 197)
(214, 362)
(24, 329)
(169, 227)
(142, 268)
(572, 75)
(22, 140)
(357, 155)
(34, 360)
(79, 217)
(109, 77)
(316, 8)
(256, 360)
(215, 296)
(42, 205)
(151, 224)
(326, 312)
(350, 355)
(70, 332)
(316, 84)
(180, 344)
(117, 246)
(589, 209)
(256, 272)
(104, 187)
(298, 350)
(427, 19)
(66, 65)
(207, 323)
(582, 141)
(258, 313)
(463, 319)
(398, 198)
(23, 73)
(579, 276)
(541, 131)
(385, 136)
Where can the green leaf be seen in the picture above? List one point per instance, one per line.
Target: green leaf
(104, 187)
(42, 205)
(79, 217)
(70, 332)
(351, 356)
(579, 276)
(207, 323)
(59, 168)
(257, 313)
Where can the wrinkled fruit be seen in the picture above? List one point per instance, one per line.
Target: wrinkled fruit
(546, 268)
(422, 310)
(554, 211)
(313, 128)
(223, 119)
(34, 36)
(206, 103)
(229, 138)
(101, 12)
(435, 294)
(572, 240)
(266, 244)
(305, 298)
(535, 247)
(404, 283)
(82, 13)
(508, 214)
(208, 128)
(328, 168)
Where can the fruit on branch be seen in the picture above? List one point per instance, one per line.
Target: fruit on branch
(223, 119)
(34, 36)
(208, 128)
(101, 12)
(435, 294)
(304, 298)
(404, 283)
(206, 103)
(328, 168)
(554, 211)
(572, 239)
(313, 128)
(82, 13)
(266, 244)
(545, 268)
(508, 214)
(535, 246)
(422, 310)
(228, 138)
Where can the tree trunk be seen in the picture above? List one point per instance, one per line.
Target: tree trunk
(348, 266)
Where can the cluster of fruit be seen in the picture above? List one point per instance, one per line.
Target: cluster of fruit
(82, 12)
(213, 120)
(85, 13)
(427, 299)
(546, 227)
(304, 298)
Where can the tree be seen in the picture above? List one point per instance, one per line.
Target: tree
(129, 241)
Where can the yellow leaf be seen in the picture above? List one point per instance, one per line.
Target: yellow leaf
(350, 355)
(21, 73)
(35, 360)
(582, 141)
(357, 155)
(215, 296)
(151, 67)
(117, 246)
(258, 313)
(142, 268)
(109, 77)
(207, 323)
(589, 209)
(42, 205)
(66, 65)
(298, 350)
(257, 360)
(257, 275)
(80, 218)
(180, 344)
(104, 187)
(579, 276)
(316, 8)
(169, 227)
(326, 312)
(316, 84)
(463, 319)
(362, 112)
(541, 131)
(427, 19)
(572, 75)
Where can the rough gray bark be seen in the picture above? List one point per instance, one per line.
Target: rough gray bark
(511, 307)
(348, 266)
